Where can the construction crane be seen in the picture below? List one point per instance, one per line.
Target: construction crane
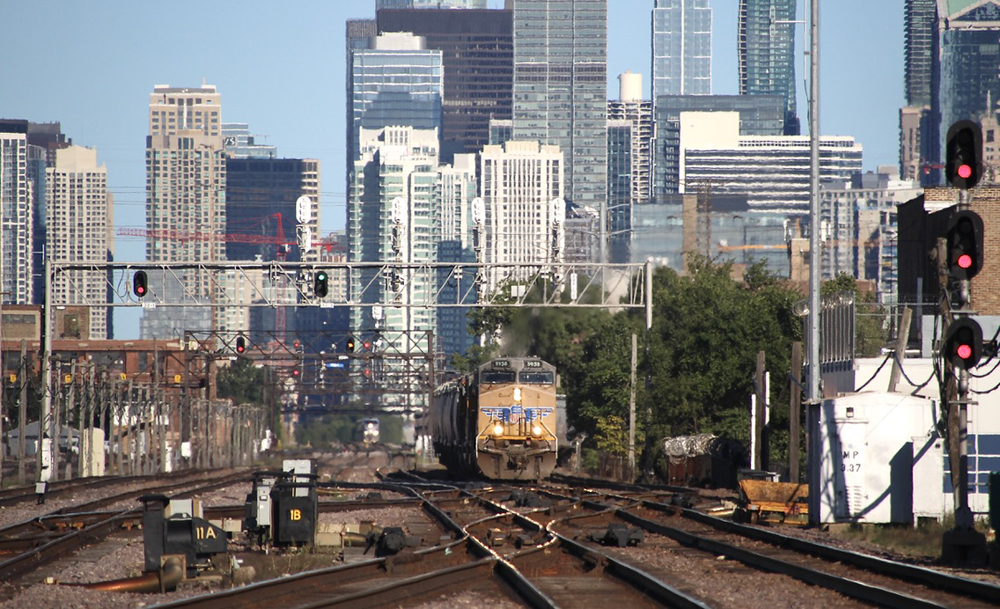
(279, 240)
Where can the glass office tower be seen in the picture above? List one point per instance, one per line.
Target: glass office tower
(560, 87)
(682, 48)
(767, 53)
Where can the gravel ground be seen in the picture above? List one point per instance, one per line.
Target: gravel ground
(723, 583)
(122, 556)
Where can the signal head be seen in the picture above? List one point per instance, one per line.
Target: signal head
(964, 154)
(140, 285)
(965, 244)
(241, 345)
(963, 344)
(321, 285)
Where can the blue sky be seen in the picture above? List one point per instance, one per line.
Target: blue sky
(280, 67)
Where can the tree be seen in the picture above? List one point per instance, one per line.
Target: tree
(242, 382)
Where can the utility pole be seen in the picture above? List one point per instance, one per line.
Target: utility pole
(815, 250)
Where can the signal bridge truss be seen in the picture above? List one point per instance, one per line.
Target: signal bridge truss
(290, 284)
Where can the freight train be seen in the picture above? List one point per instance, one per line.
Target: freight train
(499, 421)
(369, 432)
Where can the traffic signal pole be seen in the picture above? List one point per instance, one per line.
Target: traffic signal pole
(959, 259)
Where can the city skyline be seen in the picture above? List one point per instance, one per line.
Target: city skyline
(291, 87)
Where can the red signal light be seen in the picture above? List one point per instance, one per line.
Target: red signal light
(964, 261)
(139, 287)
(368, 344)
(295, 372)
(964, 351)
(964, 171)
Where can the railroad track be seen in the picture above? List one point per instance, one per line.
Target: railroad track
(18, 494)
(489, 543)
(548, 546)
(35, 549)
(846, 575)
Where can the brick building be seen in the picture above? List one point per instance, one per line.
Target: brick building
(922, 221)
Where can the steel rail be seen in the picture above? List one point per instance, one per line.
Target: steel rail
(852, 588)
(952, 583)
(26, 562)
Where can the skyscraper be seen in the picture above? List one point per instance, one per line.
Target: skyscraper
(560, 88)
(521, 184)
(43, 141)
(919, 146)
(397, 82)
(392, 216)
(359, 36)
(682, 48)
(186, 194)
(79, 225)
(639, 113)
(16, 213)
(477, 48)
(970, 81)
(766, 41)
(260, 198)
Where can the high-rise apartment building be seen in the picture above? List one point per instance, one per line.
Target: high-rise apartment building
(392, 217)
(682, 48)
(560, 88)
(477, 49)
(766, 51)
(429, 4)
(185, 196)
(639, 113)
(16, 214)
(521, 184)
(79, 222)
(456, 189)
(43, 141)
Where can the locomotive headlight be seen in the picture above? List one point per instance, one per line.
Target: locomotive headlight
(498, 430)
(374, 432)
(517, 394)
(537, 430)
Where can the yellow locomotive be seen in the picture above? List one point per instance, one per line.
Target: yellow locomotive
(499, 420)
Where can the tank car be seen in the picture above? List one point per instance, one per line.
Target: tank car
(499, 421)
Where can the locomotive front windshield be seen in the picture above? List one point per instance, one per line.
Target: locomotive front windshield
(535, 377)
(496, 376)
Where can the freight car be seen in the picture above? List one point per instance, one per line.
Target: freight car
(499, 421)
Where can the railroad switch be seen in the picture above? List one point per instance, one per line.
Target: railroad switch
(529, 499)
(495, 537)
(176, 528)
(390, 541)
(619, 535)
